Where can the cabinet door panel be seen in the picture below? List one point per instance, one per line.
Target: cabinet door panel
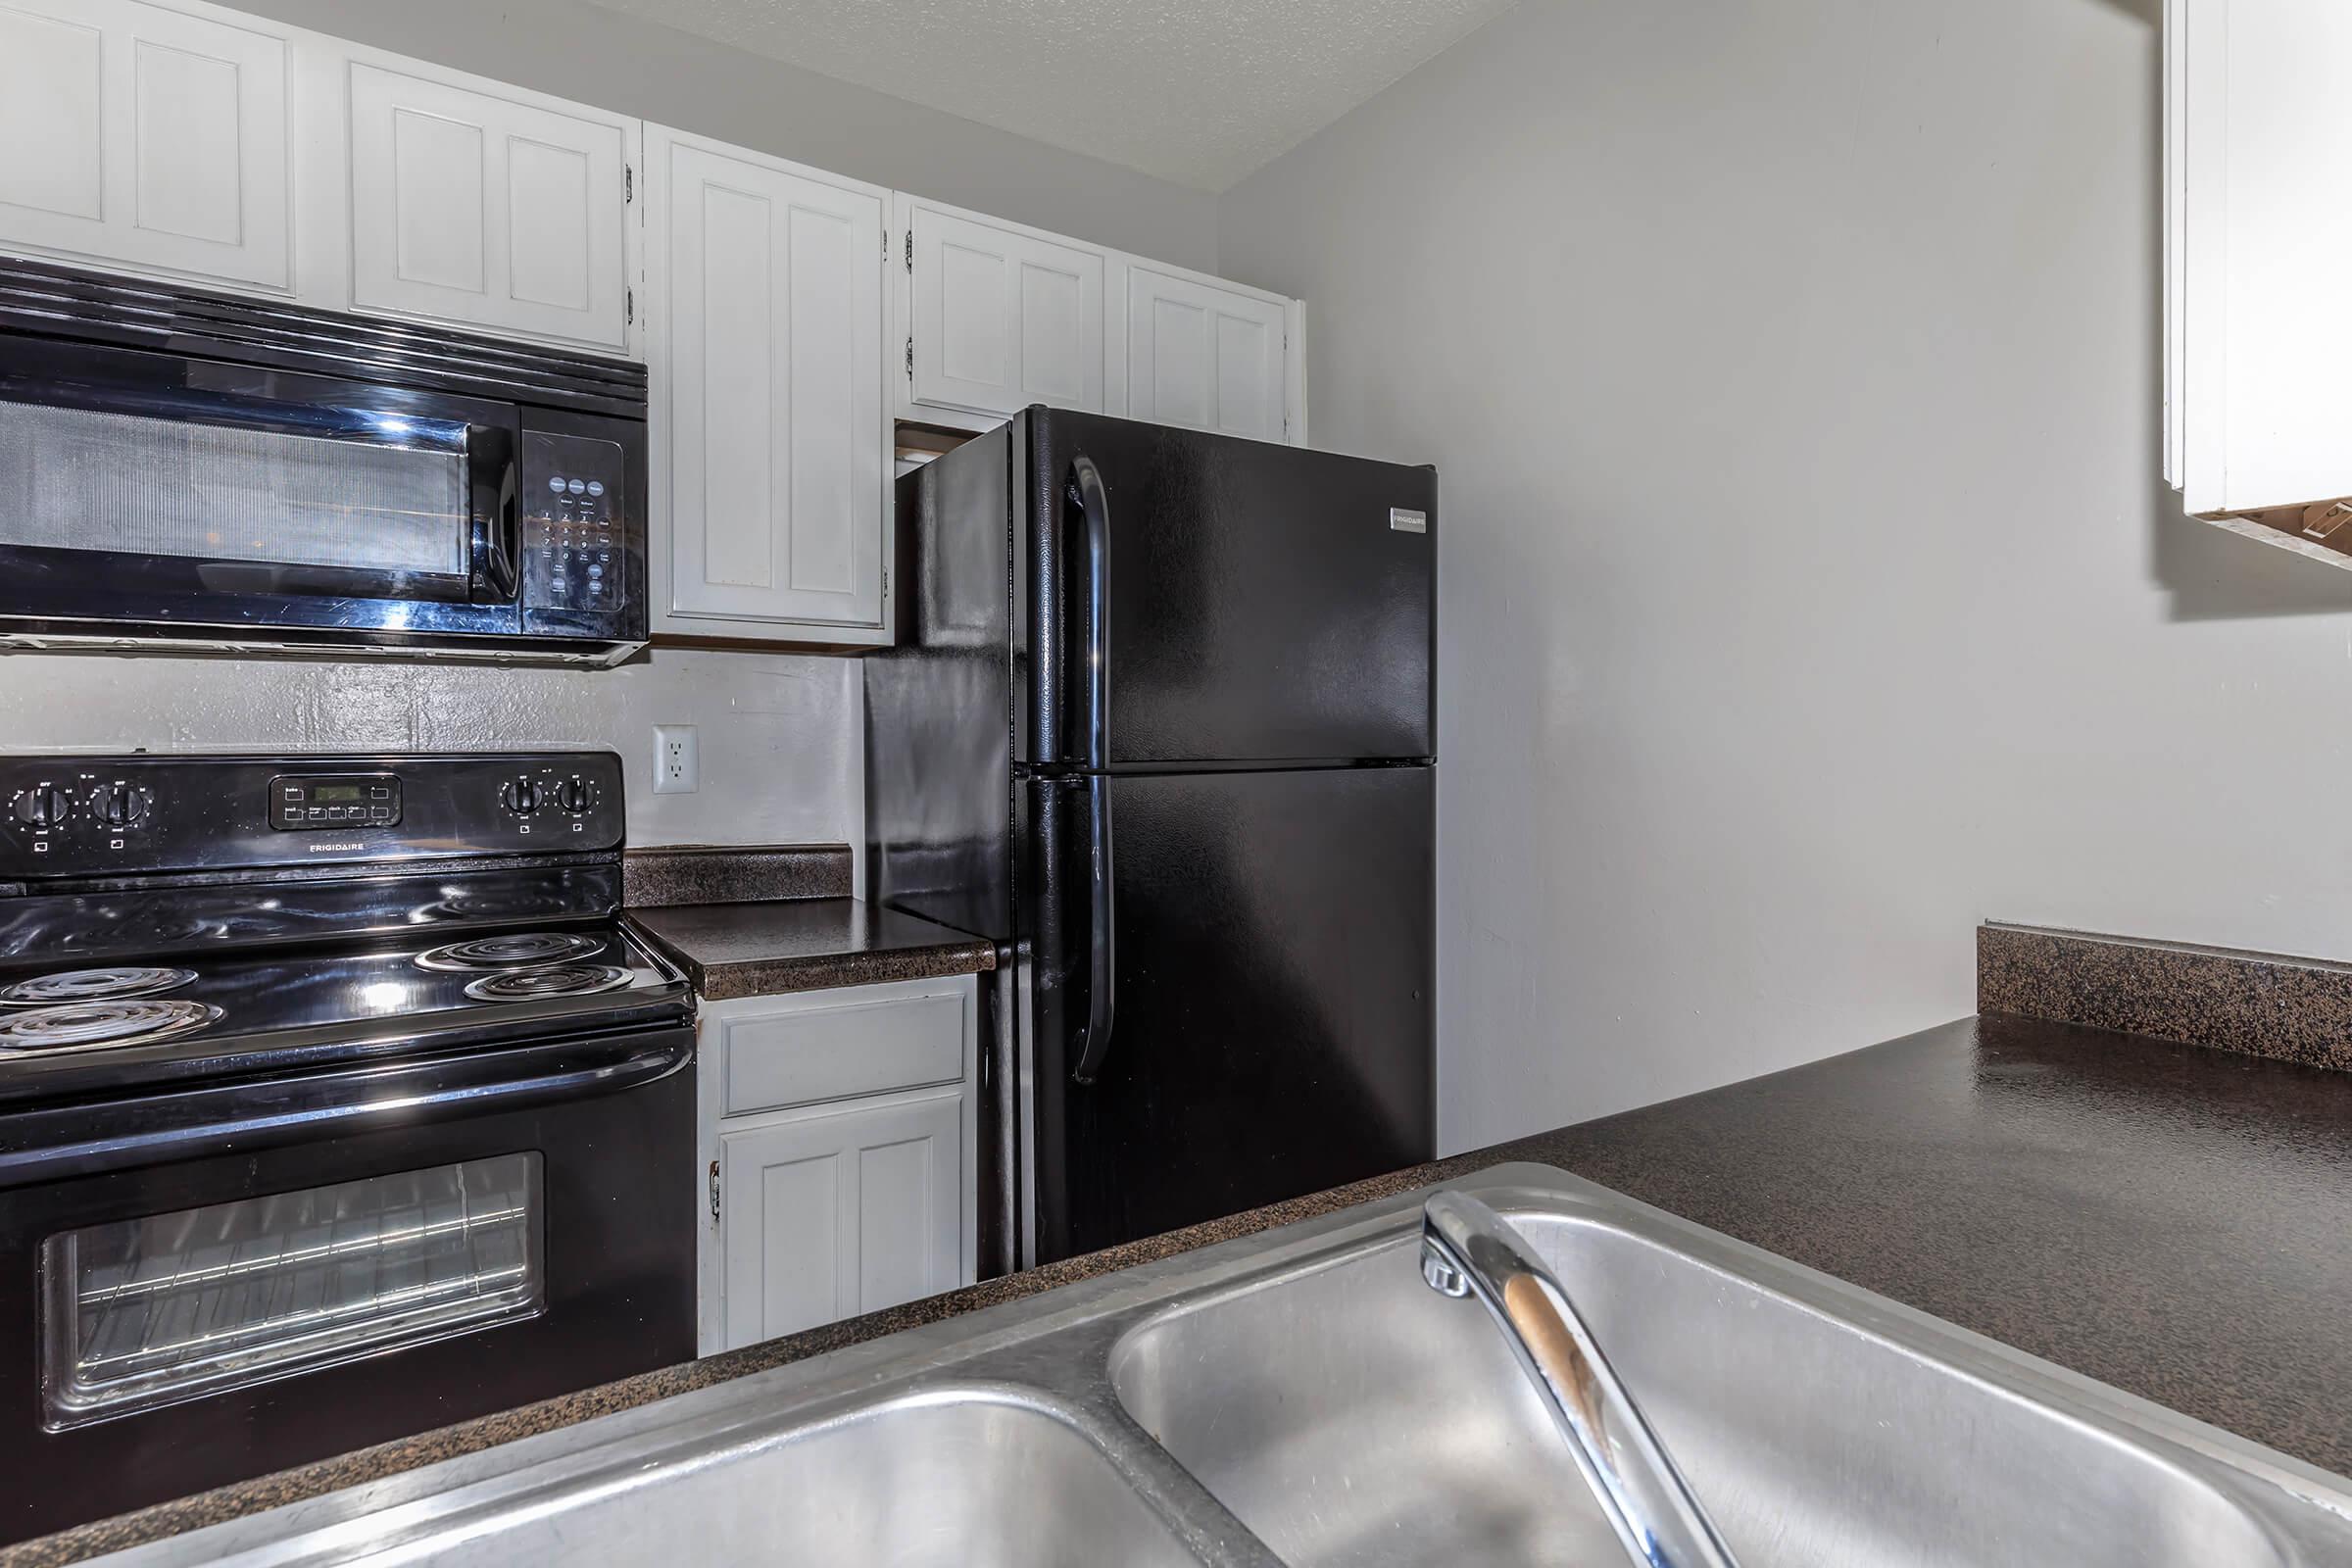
(1202, 356)
(51, 100)
(828, 1217)
(135, 135)
(473, 208)
(906, 1210)
(440, 240)
(784, 1239)
(767, 393)
(186, 107)
(550, 192)
(1002, 318)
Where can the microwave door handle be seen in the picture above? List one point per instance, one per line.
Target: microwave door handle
(497, 530)
(1103, 915)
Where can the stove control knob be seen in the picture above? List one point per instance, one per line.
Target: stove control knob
(120, 805)
(522, 796)
(42, 805)
(572, 795)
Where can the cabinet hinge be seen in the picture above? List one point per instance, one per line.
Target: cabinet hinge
(629, 307)
(911, 250)
(628, 183)
(911, 356)
(715, 1188)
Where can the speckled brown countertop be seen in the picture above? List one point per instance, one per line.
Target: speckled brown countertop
(2163, 1217)
(733, 873)
(765, 948)
(2263, 1004)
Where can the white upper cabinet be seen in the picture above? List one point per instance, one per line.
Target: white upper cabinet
(485, 205)
(1208, 354)
(770, 438)
(139, 136)
(2259, 223)
(788, 315)
(997, 316)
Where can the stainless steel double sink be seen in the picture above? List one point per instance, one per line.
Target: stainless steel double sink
(1301, 1397)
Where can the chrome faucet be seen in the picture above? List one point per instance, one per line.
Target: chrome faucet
(1468, 1249)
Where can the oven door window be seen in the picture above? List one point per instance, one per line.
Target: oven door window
(289, 499)
(146, 1312)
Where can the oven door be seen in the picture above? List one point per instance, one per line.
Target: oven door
(241, 1279)
(165, 491)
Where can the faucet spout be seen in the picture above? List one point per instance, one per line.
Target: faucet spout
(1469, 1250)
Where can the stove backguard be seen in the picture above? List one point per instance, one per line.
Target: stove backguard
(83, 817)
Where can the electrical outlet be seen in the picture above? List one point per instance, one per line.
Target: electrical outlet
(677, 759)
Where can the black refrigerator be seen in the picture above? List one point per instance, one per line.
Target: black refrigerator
(1160, 720)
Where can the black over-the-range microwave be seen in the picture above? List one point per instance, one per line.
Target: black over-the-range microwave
(187, 470)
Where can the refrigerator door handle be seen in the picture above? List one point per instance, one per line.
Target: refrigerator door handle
(1103, 935)
(1094, 505)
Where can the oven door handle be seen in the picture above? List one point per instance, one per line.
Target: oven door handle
(52, 1143)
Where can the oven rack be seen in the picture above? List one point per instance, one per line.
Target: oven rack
(215, 1327)
(165, 1309)
(183, 1273)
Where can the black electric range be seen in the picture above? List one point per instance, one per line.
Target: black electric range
(336, 1102)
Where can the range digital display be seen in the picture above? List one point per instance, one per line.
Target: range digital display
(335, 802)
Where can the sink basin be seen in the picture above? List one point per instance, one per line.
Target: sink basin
(1301, 1396)
(1349, 1414)
(958, 1477)
(941, 1481)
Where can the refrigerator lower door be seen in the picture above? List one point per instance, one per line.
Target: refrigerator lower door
(1271, 963)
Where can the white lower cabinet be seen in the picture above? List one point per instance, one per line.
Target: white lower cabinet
(839, 1214)
(849, 1184)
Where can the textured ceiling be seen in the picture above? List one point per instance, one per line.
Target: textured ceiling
(1196, 92)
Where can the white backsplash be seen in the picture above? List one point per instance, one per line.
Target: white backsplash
(782, 759)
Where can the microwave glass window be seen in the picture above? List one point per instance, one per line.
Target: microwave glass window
(146, 1312)
(74, 478)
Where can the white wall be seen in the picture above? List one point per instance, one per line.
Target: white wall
(577, 51)
(780, 735)
(1808, 590)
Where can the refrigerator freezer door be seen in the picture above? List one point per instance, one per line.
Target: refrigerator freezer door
(1264, 603)
(1273, 973)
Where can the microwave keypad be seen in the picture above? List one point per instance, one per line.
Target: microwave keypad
(571, 558)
